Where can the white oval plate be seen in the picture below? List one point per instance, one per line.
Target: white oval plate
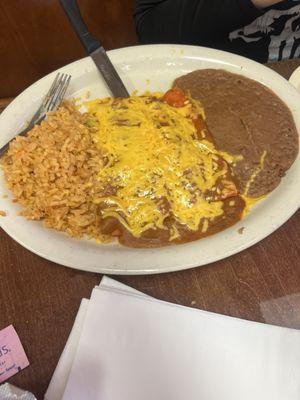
(295, 78)
(150, 68)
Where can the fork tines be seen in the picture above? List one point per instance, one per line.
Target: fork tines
(57, 91)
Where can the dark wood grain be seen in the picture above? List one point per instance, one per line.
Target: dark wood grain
(41, 299)
(36, 37)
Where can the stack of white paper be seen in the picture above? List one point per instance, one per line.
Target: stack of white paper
(127, 346)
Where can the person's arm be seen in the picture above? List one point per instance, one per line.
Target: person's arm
(260, 4)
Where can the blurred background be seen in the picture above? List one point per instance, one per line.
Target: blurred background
(36, 37)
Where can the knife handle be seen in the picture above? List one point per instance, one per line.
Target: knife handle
(73, 13)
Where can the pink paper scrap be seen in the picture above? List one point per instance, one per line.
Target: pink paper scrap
(12, 355)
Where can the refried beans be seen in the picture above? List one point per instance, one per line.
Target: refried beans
(248, 119)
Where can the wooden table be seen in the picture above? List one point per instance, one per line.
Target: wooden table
(41, 298)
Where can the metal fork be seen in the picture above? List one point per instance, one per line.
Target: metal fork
(51, 102)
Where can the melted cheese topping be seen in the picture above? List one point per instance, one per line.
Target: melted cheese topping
(156, 164)
(256, 171)
(250, 202)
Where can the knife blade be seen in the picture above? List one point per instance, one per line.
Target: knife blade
(95, 49)
(109, 73)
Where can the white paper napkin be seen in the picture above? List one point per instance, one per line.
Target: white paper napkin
(133, 347)
(59, 379)
(60, 376)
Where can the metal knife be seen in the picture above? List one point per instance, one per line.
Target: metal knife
(95, 49)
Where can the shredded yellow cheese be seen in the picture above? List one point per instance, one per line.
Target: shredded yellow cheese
(152, 156)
